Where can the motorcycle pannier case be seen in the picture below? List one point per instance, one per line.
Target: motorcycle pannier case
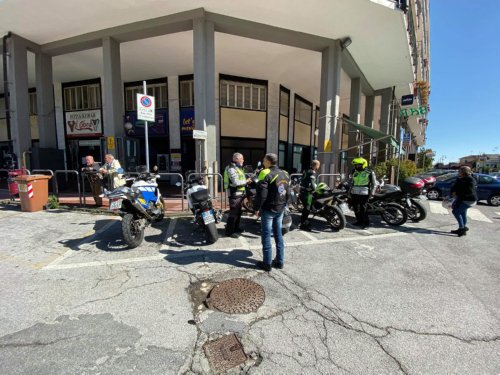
(412, 185)
(200, 195)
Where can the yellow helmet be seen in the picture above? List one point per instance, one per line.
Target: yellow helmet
(362, 161)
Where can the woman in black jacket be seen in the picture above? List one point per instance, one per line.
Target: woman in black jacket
(464, 192)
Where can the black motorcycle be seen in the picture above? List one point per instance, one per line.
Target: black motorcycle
(381, 203)
(325, 203)
(200, 203)
(408, 197)
(251, 189)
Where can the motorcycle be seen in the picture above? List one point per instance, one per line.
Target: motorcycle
(139, 203)
(408, 196)
(381, 203)
(325, 203)
(295, 201)
(200, 203)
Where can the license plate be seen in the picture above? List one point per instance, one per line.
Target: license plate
(115, 204)
(208, 217)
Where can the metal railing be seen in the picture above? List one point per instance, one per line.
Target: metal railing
(331, 175)
(66, 171)
(44, 171)
(222, 191)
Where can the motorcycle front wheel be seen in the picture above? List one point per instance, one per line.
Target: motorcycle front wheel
(335, 217)
(416, 212)
(133, 232)
(212, 234)
(247, 204)
(394, 214)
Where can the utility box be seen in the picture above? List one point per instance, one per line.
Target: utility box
(33, 191)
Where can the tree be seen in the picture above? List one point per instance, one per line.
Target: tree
(425, 159)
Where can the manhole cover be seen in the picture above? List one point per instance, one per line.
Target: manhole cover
(225, 353)
(236, 296)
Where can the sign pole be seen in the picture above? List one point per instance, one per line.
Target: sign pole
(146, 131)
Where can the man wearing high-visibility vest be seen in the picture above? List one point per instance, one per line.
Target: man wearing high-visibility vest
(363, 187)
(234, 183)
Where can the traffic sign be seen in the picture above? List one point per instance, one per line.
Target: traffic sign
(199, 134)
(145, 107)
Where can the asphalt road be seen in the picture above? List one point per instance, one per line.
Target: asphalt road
(413, 299)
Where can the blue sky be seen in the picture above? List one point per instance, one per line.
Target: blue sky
(465, 78)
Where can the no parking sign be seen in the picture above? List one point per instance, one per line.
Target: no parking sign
(145, 107)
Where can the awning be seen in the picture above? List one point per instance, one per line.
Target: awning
(376, 135)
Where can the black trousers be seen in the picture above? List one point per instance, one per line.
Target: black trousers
(360, 206)
(233, 220)
(306, 198)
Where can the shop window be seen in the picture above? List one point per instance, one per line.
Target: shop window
(82, 97)
(187, 93)
(284, 103)
(243, 95)
(303, 111)
(282, 154)
(158, 90)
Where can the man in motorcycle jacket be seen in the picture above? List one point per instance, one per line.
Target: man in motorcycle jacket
(235, 181)
(273, 194)
(363, 187)
(307, 187)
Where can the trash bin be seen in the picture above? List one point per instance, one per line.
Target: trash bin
(13, 188)
(33, 191)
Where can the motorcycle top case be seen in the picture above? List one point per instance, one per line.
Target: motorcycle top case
(412, 185)
(201, 195)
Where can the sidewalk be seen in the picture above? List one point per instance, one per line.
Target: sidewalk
(173, 204)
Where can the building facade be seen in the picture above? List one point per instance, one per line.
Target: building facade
(328, 79)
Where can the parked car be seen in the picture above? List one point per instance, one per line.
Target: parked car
(488, 187)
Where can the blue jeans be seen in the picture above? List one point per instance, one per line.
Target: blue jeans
(460, 212)
(270, 222)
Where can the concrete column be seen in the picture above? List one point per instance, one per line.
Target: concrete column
(45, 101)
(385, 120)
(174, 125)
(369, 110)
(59, 115)
(369, 114)
(273, 117)
(355, 115)
(204, 89)
(17, 78)
(291, 131)
(113, 109)
(329, 130)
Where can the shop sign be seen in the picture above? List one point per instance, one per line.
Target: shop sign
(419, 111)
(145, 107)
(187, 121)
(407, 99)
(83, 123)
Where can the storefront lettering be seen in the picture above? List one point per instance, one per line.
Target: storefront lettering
(88, 122)
(406, 112)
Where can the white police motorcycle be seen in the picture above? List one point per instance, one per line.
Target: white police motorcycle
(139, 203)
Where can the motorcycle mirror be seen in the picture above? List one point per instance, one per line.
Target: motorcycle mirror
(155, 168)
(178, 184)
(259, 164)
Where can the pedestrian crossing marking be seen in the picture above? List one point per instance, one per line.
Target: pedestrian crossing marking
(475, 214)
(437, 208)
(472, 213)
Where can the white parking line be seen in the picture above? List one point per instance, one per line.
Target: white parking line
(308, 235)
(182, 254)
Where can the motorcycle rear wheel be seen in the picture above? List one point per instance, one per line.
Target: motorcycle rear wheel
(212, 234)
(417, 212)
(133, 232)
(335, 217)
(394, 214)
